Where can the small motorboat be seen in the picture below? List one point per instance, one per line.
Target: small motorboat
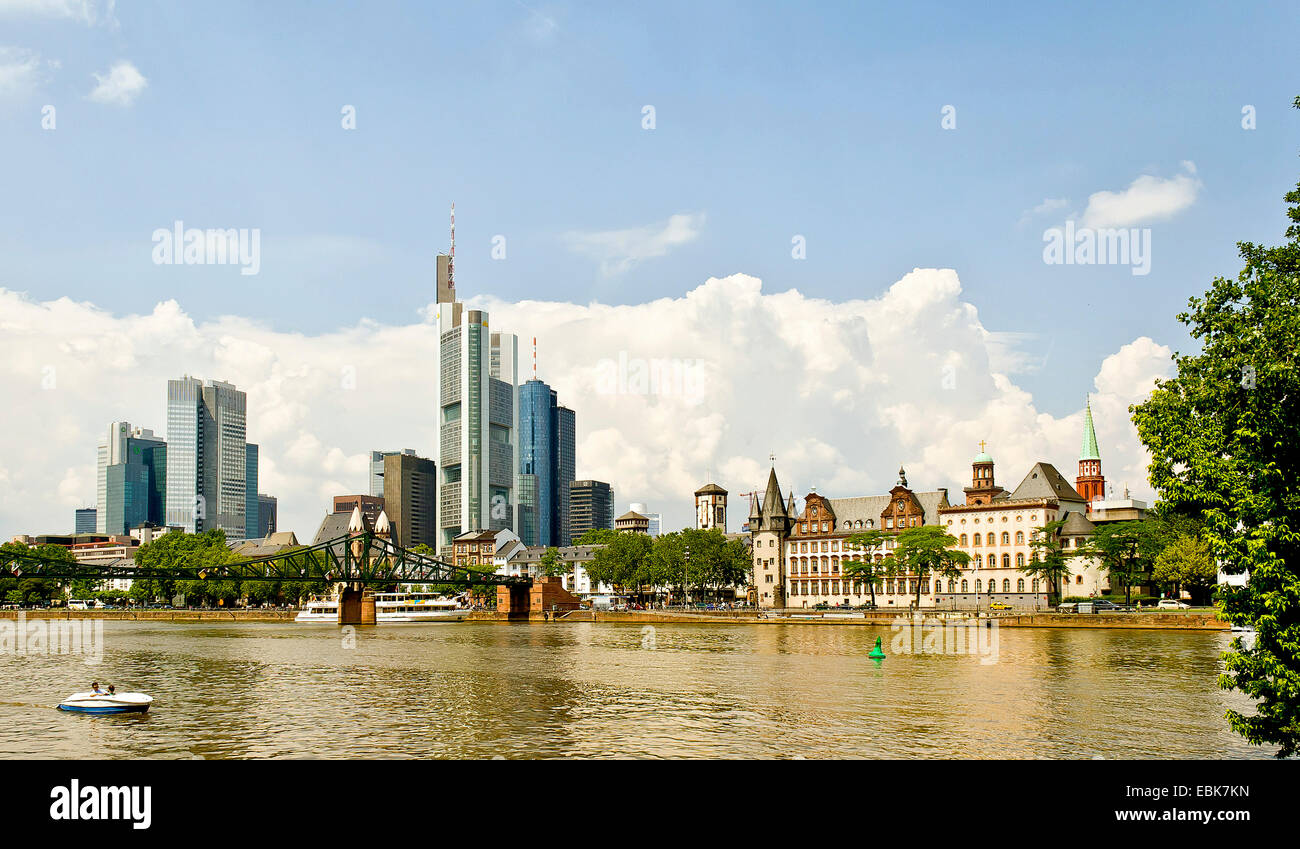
(93, 702)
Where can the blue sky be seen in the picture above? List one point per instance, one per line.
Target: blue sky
(771, 120)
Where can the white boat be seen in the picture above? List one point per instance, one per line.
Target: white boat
(393, 607)
(93, 702)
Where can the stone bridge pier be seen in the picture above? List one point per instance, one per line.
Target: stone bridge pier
(356, 605)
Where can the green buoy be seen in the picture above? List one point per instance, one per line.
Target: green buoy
(877, 653)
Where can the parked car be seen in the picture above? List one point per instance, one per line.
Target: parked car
(1102, 605)
(1068, 607)
(999, 605)
(1172, 604)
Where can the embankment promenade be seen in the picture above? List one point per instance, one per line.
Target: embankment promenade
(1163, 621)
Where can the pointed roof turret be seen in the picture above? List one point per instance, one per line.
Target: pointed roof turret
(773, 505)
(382, 525)
(1088, 451)
(356, 524)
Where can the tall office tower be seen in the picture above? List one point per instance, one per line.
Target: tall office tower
(143, 485)
(546, 463)
(477, 379)
(591, 505)
(207, 461)
(251, 521)
(85, 521)
(267, 520)
(377, 469)
(410, 499)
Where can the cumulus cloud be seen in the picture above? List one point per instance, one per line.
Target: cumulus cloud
(88, 12)
(1146, 199)
(119, 86)
(619, 250)
(842, 392)
(1048, 205)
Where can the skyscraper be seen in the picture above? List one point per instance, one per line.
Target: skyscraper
(546, 465)
(377, 469)
(410, 499)
(267, 520)
(85, 520)
(591, 505)
(207, 461)
(143, 485)
(478, 418)
(251, 521)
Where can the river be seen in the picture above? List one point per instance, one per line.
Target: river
(479, 690)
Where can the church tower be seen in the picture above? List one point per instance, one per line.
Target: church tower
(1090, 483)
(982, 489)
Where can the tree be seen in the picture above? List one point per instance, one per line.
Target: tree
(552, 564)
(34, 590)
(1049, 561)
(865, 567)
(619, 561)
(1186, 564)
(927, 550)
(1125, 551)
(1224, 439)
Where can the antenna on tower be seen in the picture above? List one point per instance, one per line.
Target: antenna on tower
(534, 358)
(451, 259)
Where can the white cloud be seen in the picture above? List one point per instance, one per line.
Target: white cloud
(1048, 205)
(88, 12)
(841, 392)
(119, 86)
(619, 250)
(20, 71)
(1146, 199)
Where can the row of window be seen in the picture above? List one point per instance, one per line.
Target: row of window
(903, 587)
(1006, 538)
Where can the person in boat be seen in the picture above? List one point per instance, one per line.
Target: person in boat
(112, 690)
(94, 687)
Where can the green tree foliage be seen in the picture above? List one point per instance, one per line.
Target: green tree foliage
(1126, 551)
(1186, 564)
(924, 552)
(621, 558)
(1049, 560)
(552, 565)
(1224, 439)
(864, 567)
(29, 590)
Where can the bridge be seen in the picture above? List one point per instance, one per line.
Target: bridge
(354, 561)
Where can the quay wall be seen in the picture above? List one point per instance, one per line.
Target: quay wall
(159, 615)
(1177, 621)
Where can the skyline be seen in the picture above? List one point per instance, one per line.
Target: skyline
(924, 246)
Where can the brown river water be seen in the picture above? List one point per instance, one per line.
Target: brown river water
(580, 690)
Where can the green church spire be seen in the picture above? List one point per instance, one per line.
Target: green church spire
(1089, 449)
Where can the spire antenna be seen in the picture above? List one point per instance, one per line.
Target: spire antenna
(534, 358)
(451, 259)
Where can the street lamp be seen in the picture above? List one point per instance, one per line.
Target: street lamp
(686, 566)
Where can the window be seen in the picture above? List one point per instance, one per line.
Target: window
(964, 585)
(1006, 538)
(979, 539)
(992, 561)
(1020, 537)
(978, 585)
(1006, 561)
(1020, 585)
(1035, 585)
(1006, 585)
(963, 539)
(989, 540)
(1020, 560)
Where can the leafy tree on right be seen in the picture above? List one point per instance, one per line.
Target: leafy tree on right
(1224, 438)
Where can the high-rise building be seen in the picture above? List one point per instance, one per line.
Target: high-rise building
(207, 462)
(252, 522)
(377, 469)
(125, 445)
(591, 505)
(546, 464)
(267, 518)
(85, 521)
(369, 505)
(410, 499)
(477, 374)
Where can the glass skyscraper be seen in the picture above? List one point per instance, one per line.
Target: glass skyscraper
(377, 469)
(131, 479)
(207, 460)
(546, 465)
(252, 524)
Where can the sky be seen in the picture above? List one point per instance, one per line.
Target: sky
(828, 223)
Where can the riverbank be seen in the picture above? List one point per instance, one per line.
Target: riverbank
(1170, 620)
(1163, 621)
(158, 615)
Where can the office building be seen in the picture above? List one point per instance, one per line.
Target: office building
(546, 465)
(267, 515)
(125, 445)
(477, 384)
(85, 521)
(207, 461)
(369, 505)
(410, 499)
(251, 521)
(377, 469)
(591, 505)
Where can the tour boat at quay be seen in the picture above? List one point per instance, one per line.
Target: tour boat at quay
(392, 607)
(92, 702)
